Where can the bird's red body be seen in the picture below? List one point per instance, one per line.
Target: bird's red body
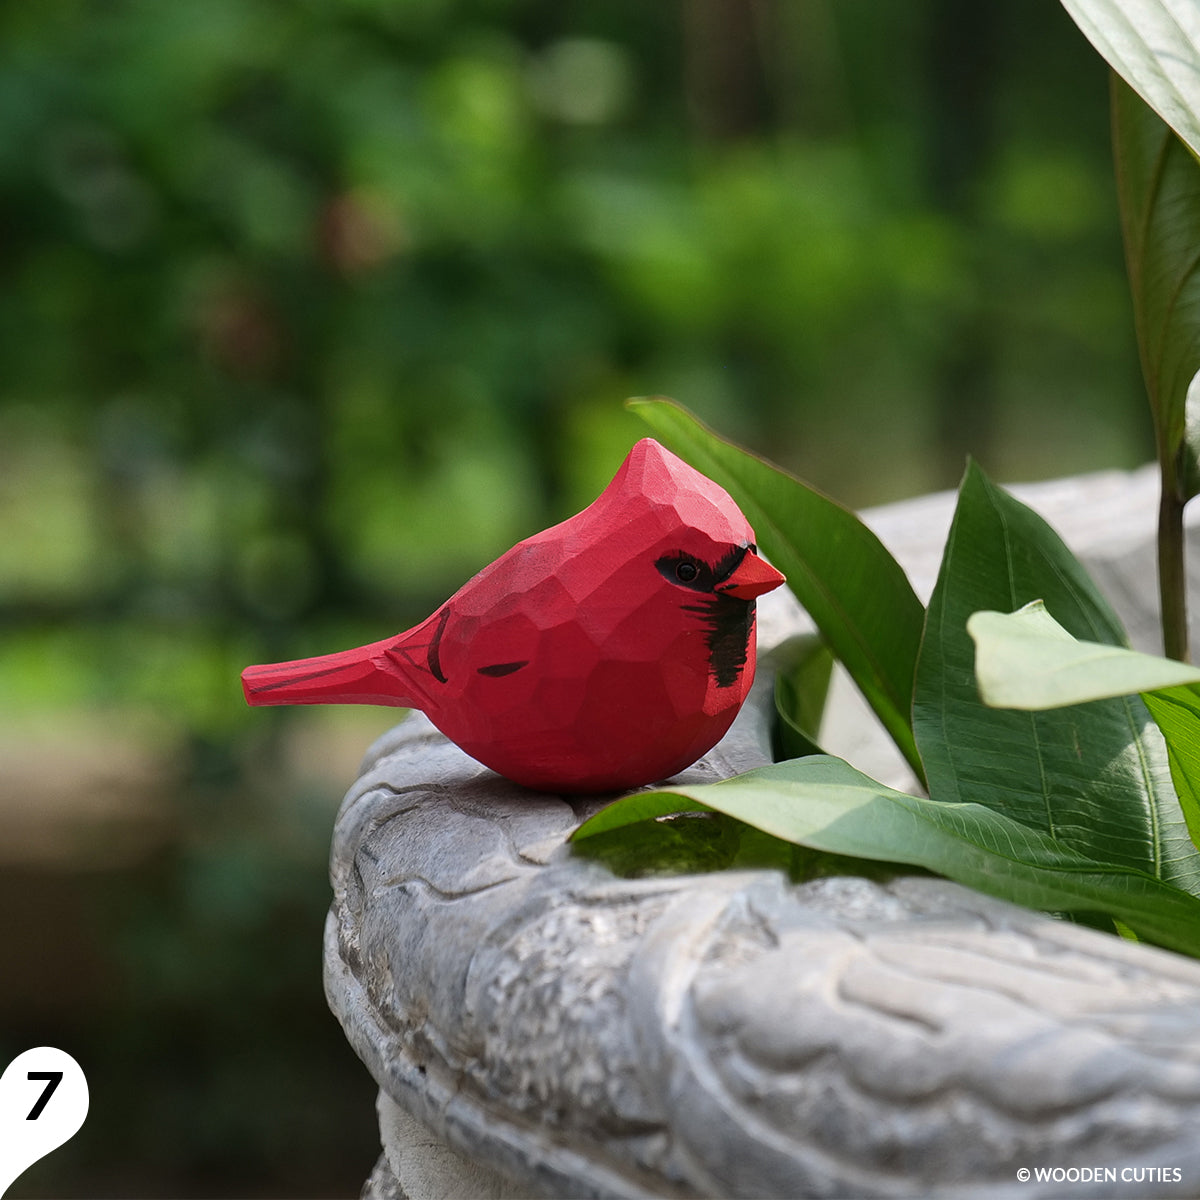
(606, 652)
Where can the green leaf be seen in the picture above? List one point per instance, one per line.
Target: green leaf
(805, 666)
(1096, 777)
(1027, 660)
(694, 841)
(824, 803)
(855, 591)
(1158, 186)
(1177, 712)
(1154, 45)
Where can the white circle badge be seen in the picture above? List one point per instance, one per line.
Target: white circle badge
(43, 1102)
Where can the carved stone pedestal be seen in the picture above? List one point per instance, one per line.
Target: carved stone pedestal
(539, 1026)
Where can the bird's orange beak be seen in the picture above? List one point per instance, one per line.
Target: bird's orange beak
(752, 578)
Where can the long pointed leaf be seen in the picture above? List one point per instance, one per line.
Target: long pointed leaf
(801, 689)
(1154, 45)
(1158, 185)
(1027, 660)
(853, 589)
(1177, 711)
(1095, 778)
(826, 804)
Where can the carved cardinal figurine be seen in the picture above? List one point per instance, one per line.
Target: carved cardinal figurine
(604, 653)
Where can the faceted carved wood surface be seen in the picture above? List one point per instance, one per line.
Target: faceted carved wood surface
(604, 653)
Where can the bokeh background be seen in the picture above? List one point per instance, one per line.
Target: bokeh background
(309, 308)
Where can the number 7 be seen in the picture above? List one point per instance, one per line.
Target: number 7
(53, 1079)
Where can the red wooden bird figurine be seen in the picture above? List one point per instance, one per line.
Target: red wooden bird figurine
(609, 651)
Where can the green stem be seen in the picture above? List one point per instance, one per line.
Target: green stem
(1172, 574)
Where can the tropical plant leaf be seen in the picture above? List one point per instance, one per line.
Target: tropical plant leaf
(1154, 45)
(1095, 778)
(805, 666)
(1158, 185)
(855, 591)
(1027, 660)
(1177, 712)
(824, 803)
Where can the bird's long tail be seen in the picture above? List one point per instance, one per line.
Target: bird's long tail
(366, 675)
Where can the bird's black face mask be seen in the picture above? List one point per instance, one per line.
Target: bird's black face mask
(728, 620)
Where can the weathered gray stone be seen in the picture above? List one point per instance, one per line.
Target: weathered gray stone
(560, 1031)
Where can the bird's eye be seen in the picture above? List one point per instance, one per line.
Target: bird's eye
(686, 570)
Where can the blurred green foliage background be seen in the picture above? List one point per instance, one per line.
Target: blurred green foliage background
(312, 307)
